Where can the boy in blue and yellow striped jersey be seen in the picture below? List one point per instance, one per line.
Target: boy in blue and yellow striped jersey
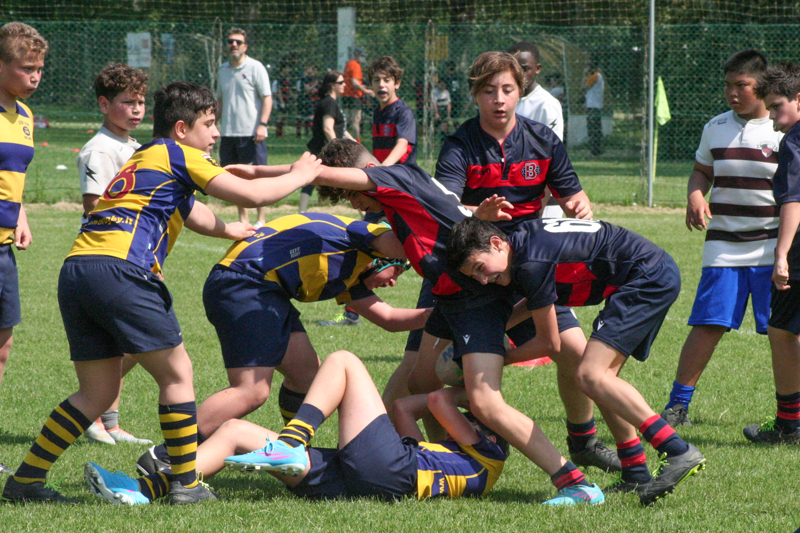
(373, 458)
(112, 301)
(22, 51)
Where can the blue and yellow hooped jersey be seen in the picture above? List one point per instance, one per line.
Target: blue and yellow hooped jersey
(16, 153)
(132, 217)
(448, 469)
(312, 256)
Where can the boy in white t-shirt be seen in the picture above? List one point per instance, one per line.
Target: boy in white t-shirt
(120, 91)
(737, 157)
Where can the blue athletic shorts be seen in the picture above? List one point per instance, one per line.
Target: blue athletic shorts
(253, 318)
(111, 306)
(242, 150)
(786, 308)
(722, 296)
(632, 316)
(377, 463)
(10, 313)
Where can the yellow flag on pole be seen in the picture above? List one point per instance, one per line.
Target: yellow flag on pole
(662, 106)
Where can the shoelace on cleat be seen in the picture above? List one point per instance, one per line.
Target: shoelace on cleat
(662, 462)
(54, 485)
(768, 425)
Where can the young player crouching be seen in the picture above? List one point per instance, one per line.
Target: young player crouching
(577, 263)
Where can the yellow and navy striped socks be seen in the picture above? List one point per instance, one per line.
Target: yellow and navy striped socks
(61, 429)
(179, 427)
(289, 402)
(300, 430)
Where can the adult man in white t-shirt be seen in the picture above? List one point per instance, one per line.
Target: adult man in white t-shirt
(539, 105)
(245, 103)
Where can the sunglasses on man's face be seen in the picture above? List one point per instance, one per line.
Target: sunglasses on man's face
(237, 41)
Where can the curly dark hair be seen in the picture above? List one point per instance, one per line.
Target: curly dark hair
(386, 65)
(117, 78)
(341, 153)
(180, 100)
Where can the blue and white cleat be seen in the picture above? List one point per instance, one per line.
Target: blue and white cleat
(275, 456)
(578, 494)
(117, 488)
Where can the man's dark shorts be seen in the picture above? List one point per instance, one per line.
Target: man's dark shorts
(111, 307)
(785, 308)
(377, 463)
(242, 150)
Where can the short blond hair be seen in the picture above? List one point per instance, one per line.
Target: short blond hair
(488, 64)
(18, 39)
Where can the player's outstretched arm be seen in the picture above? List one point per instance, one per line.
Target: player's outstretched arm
(258, 193)
(251, 172)
(354, 179)
(700, 181)
(390, 318)
(203, 221)
(577, 206)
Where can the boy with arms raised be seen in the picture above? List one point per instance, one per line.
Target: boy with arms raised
(120, 92)
(736, 160)
(780, 90)
(371, 459)
(577, 263)
(112, 301)
(22, 51)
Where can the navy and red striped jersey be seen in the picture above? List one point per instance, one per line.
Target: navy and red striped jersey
(474, 166)
(395, 121)
(572, 262)
(421, 213)
(786, 187)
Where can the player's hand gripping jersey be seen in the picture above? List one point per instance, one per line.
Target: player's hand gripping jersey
(474, 166)
(16, 153)
(311, 257)
(576, 262)
(141, 204)
(448, 469)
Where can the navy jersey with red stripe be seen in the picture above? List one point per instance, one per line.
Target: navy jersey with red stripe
(395, 121)
(574, 262)
(474, 166)
(786, 187)
(421, 213)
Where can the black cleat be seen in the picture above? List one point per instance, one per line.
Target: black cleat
(149, 463)
(16, 492)
(622, 486)
(594, 453)
(670, 472)
(768, 433)
(180, 495)
(677, 415)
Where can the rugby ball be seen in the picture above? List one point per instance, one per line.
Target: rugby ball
(447, 370)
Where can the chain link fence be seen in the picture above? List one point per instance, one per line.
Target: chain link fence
(689, 59)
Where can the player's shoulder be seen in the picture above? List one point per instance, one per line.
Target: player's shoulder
(24, 110)
(530, 127)
(723, 120)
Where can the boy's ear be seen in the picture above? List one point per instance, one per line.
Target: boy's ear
(104, 104)
(179, 131)
(495, 241)
(371, 164)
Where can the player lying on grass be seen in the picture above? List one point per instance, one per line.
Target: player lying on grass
(113, 303)
(248, 296)
(421, 213)
(577, 263)
(371, 458)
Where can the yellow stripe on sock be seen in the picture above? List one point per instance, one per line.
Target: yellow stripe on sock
(60, 410)
(29, 480)
(59, 430)
(180, 432)
(176, 451)
(173, 417)
(49, 446)
(37, 462)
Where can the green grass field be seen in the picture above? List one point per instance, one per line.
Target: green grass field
(745, 488)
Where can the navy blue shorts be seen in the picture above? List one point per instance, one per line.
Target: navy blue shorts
(111, 307)
(426, 299)
(482, 329)
(253, 318)
(785, 308)
(632, 316)
(242, 150)
(10, 313)
(377, 463)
